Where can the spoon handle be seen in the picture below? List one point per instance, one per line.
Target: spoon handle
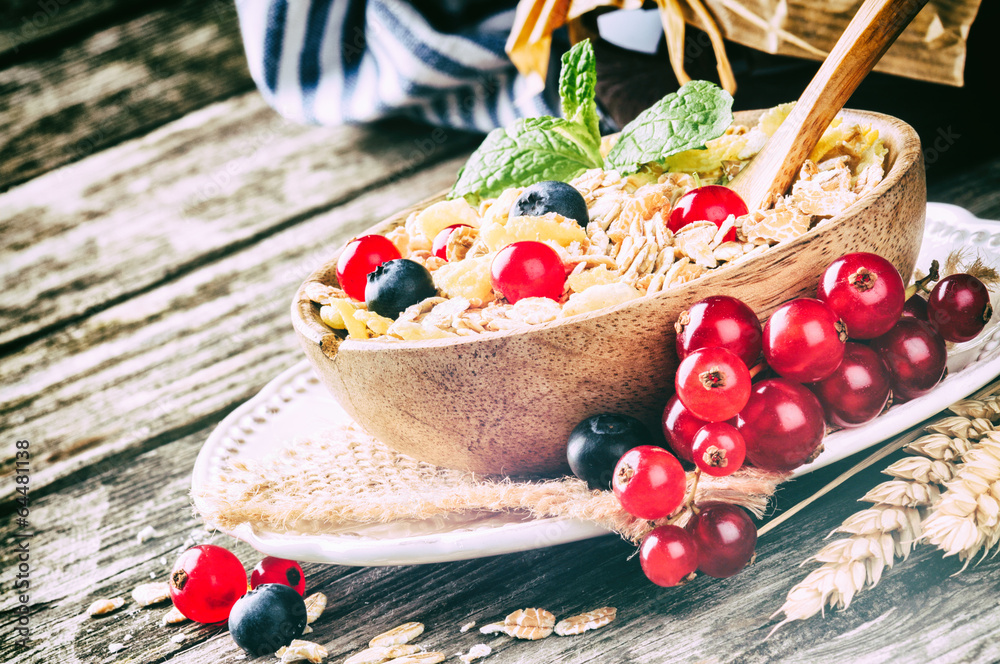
(868, 36)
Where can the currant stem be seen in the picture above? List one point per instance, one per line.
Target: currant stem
(689, 503)
(757, 368)
(921, 285)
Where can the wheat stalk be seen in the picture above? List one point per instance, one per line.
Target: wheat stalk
(888, 530)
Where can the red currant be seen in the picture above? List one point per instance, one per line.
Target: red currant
(782, 425)
(713, 384)
(916, 356)
(726, 538)
(440, 246)
(719, 321)
(959, 307)
(719, 449)
(649, 482)
(205, 583)
(679, 428)
(915, 307)
(857, 391)
(804, 340)
(528, 269)
(865, 291)
(668, 555)
(712, 202)
(279, 570)
(361, 256)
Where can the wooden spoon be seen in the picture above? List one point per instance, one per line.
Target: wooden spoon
(872, 30)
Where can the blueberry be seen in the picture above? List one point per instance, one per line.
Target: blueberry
(395, 285)
(266, 618)
(596, 444)
(551, 196)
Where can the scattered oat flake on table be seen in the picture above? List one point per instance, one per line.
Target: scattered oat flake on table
(299, 650)
(477, 651)
(178, 638)
(380, 654)
(315, 604)
(148, 594)
(402, 634)
(173, 616)
(146, 534)
(115, 647)
(420, 658)
(530, 624)
(103, 606)
(467, 626)
(307, 629)
(493, 628)
(586, 621)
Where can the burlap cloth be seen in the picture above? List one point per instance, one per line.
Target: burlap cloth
(341, 478)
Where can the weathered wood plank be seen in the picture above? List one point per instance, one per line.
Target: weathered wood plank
(120, 82)
(183, 352)
(92, 553)
(25, 22)
(977, 189)
(96, 232)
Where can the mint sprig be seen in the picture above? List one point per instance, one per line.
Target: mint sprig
(531, 150)
(548, 148)
(684, 120)
(543, 148)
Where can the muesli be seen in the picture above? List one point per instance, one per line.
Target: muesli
(630, 245)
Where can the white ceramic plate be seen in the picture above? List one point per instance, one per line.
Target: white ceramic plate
(294, 404)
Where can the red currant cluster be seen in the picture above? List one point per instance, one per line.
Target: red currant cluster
(838, 358)
(207, 580)
(835, 358)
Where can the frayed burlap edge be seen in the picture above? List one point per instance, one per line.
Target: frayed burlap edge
(344, 477)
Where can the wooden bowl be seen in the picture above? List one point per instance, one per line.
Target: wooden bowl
(505, 402)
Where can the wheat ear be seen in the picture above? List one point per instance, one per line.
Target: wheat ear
(891, 527)
(967, 518)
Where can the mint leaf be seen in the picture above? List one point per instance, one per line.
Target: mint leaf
(529, 151)
(683, 120)
(544, 148)
(578, 87)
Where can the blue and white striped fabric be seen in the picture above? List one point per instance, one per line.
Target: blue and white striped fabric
(344, 61)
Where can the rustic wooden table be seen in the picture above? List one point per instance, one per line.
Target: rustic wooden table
(156, 219)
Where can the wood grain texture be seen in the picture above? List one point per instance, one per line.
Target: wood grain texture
(98, 231)
(113, 85)
(474, 403)
(977, 190)
(870, 33)
(162, 362)
(93, 553)
(24, 23)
